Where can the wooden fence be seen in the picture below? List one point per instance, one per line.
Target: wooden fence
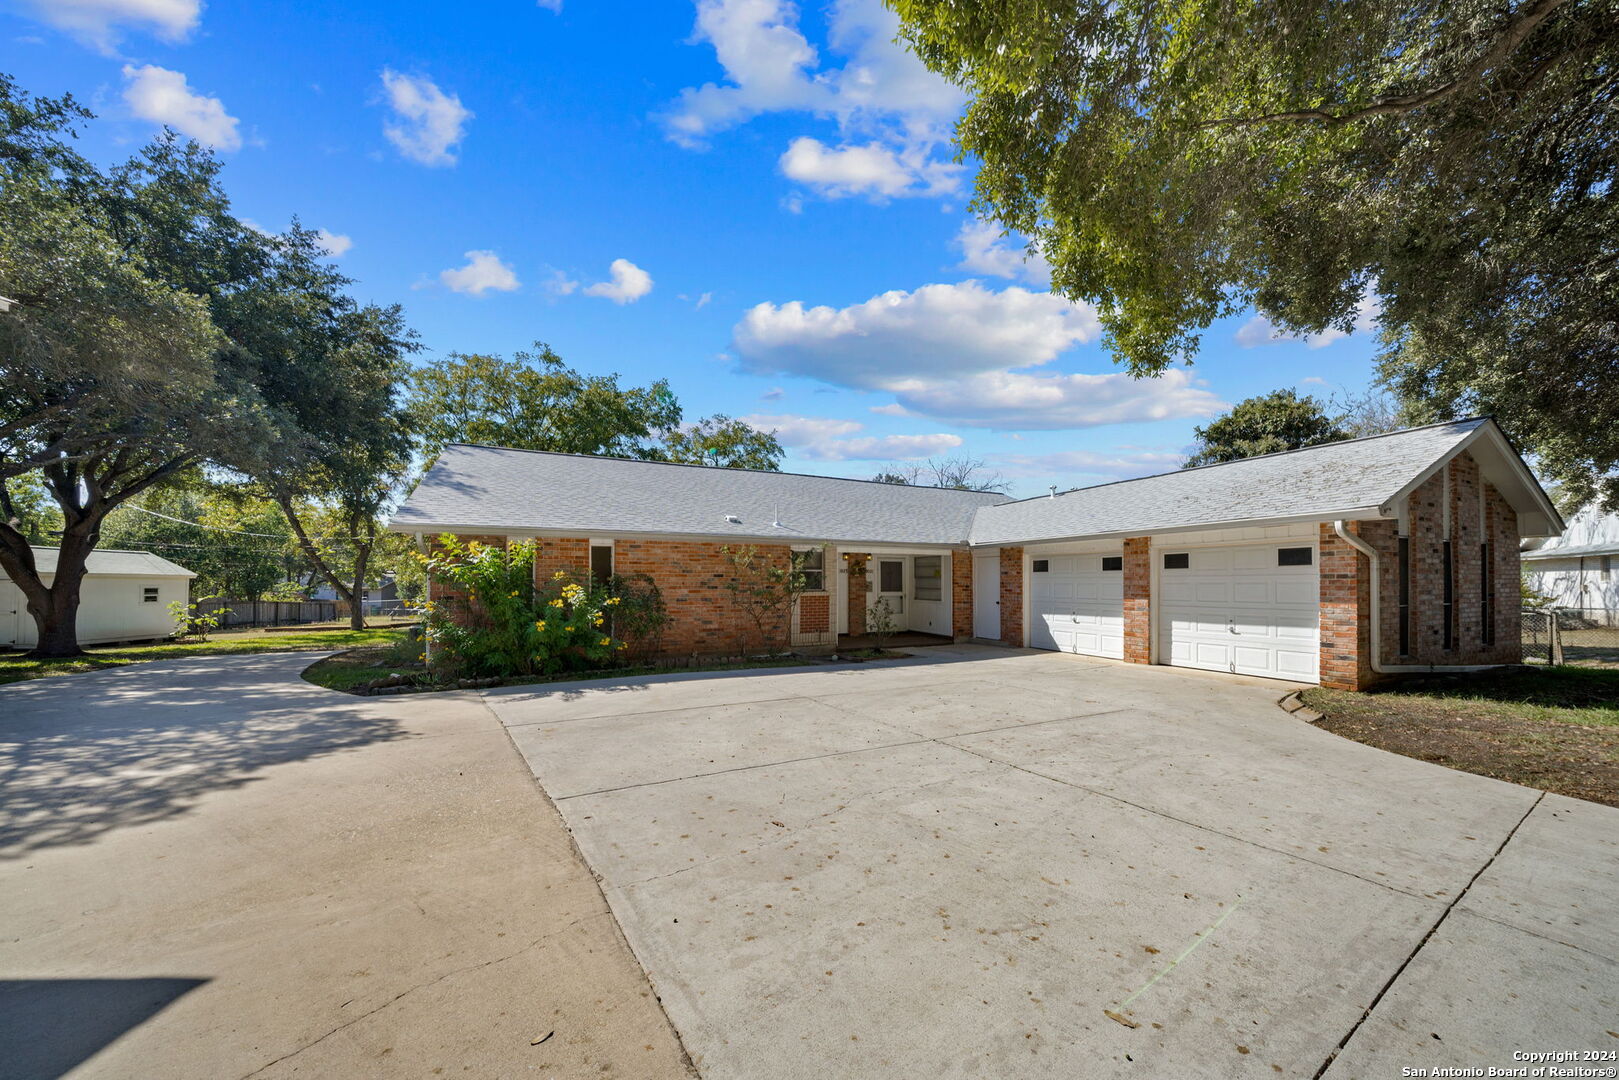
(272, 612)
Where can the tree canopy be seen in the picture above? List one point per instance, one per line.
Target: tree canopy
(1280, 420)
(1446, 163)
(535, 401)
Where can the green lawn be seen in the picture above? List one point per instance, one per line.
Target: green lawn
(15, 668)
(1551, 728)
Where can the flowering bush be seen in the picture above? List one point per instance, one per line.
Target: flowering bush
(496, 622)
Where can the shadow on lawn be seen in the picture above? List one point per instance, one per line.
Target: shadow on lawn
(84, 755)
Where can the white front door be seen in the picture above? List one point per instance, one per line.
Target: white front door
(890, 589)
(1251, 610)
(987, 597)
(1077, 604)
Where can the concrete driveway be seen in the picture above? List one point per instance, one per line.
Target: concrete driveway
(211, 869)
(962, 865)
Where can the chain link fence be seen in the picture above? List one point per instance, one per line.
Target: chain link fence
(1558, 635)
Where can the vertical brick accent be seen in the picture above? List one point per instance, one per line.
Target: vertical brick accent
(1346, 598)
(961, 594)
(814, 613)
(1012, 596)
(1138, 600)
(857, 563)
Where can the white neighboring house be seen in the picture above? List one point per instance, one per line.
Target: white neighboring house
(125, 596)
(1579, 569)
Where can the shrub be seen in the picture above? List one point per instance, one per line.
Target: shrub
(641, 615)
(193, 623)
(498, 623)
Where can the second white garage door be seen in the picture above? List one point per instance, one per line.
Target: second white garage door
(1077, 604)
(1252, 610)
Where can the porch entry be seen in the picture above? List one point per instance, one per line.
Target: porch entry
(914, 586)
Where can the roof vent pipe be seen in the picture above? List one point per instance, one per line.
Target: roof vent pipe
(1053, 491)
(733, 519)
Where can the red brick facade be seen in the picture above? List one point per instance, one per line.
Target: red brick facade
(857, 563)
(1476, 587)
(815, 613)
(692, 576)
(1137, 600)
(961, 594)
(552, 554)
(1012, 596)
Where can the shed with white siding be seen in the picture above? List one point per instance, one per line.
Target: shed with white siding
(125, 596)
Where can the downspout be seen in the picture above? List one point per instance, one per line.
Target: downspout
(1341, 528)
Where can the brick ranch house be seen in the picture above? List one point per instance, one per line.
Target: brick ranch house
(1336, 564)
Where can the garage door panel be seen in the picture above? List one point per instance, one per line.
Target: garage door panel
(1236, 609)
(1078, 607)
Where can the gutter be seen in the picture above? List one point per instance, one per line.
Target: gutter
(1378, 666)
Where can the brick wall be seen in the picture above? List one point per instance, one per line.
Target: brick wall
(692, 576)
(552, 554)
(1137, 600)
(1345, 611)
(1346, 589)
(814, 613)
(856, 563)
(1012, 596)
(961, 594)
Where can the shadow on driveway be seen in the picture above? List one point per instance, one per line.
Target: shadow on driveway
(81, 755)
(54, 1025)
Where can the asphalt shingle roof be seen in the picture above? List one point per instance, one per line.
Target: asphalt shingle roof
(489, 488)
(110, 561)
(1318, 481)
(484, 488)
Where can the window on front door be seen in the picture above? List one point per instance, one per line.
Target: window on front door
(890, 576)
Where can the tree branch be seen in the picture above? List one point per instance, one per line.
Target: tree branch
(1516, 31)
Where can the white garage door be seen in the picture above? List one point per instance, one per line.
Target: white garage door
(1253, 610)
(1077, 604)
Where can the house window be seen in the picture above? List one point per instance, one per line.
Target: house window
(1042, 566)
(1486, 592)
(1179, 560)
(601, 562)
(149, 594)
(1112, 562)
(1405, 596)
(812, 564)
(1607, 567)
(1299, 556)
(1448, 605)
(928, 577)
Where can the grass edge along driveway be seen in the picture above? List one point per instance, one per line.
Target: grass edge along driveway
(15, 667)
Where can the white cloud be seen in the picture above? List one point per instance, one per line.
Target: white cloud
(336, 243)
(162, 96)
(1260, 331)
(560, 284)
(955, 352)
(893, 113)
(628, 283)
(484, 271)
(1011, 400)
(99, 23)
(553, 6)
(822, 438)
(431, 123)
(1080, 468)
(704, 300)
(937, 331)
(984, 250)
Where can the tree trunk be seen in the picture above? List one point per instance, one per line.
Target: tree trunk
(362, 555)
(312, 553)
(56, 609)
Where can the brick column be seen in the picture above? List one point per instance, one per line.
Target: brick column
(1138, 600)
(856, 563)
(1012, 596)
(1345, 613)
(961, 594)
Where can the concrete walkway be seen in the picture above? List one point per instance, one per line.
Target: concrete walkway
(980, 862)
(211, 869)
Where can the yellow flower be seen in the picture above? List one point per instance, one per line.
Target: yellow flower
(613, 599)
(556, 603)
(559, 575)
(514, 592)
(607, 641)
(540, 625)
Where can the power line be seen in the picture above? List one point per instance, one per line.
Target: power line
(284, 537)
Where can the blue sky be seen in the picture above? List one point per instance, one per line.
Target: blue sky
(752, 199)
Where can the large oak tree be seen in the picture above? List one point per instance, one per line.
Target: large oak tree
(1452, 160)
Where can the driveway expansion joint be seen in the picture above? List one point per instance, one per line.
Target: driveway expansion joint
(1421, 943)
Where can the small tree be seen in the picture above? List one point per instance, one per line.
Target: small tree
(764, 588)
(880, 622)
(640, 616)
